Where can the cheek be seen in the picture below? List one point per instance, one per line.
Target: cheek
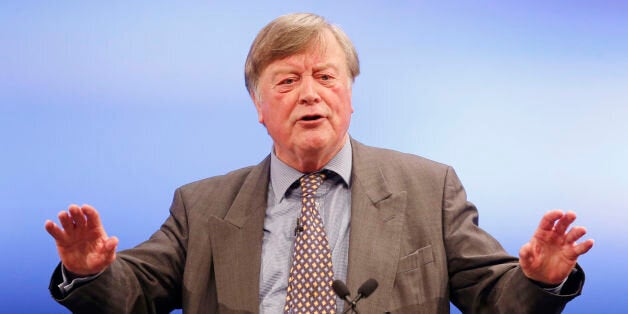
(283, 105)
(277, 115)
(342, 98)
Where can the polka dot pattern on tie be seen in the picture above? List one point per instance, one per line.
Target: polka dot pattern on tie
(311, 273)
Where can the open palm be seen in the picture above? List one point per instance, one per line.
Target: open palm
(553, 252)
(82, 244)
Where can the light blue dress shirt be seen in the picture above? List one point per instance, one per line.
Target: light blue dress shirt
(284, 205)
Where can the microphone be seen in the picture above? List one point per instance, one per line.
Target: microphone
(298, 228)
(341, 290)
(365, 290)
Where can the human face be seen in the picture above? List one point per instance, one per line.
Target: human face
(304, 101)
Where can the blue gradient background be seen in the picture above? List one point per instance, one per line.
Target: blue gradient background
(118, 104)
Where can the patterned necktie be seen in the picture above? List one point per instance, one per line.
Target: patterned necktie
(311, 273)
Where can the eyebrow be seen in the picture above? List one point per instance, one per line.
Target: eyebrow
(324, 66)
(292, 69)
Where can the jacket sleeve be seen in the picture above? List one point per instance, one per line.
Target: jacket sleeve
(144, 279)
(483, 277)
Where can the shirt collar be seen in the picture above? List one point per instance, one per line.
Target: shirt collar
(283, 176)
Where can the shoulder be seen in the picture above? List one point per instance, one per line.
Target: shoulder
(223, 189)
(400, 171)
(389, 160)
(223, 182)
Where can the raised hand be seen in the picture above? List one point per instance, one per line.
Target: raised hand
(552, 252)
(83, 244)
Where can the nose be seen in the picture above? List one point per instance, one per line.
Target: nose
(308, 93)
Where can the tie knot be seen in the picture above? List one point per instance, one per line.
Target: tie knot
(311, 182)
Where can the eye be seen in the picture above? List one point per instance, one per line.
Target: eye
(286, 84)
(288, 81)
(326, 78)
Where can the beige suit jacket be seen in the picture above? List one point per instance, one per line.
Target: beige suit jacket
(412, 229)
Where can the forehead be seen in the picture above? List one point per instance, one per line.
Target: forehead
(324, 51)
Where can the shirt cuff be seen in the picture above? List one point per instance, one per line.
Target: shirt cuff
(70, 281)
(555, 289)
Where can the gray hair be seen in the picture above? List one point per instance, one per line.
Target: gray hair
(292, 34)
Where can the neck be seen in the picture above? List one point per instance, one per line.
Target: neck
(310, 161)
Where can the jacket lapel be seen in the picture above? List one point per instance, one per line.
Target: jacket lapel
(236, 243)
(377, 215)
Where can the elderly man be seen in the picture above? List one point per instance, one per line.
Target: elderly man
(271, 238)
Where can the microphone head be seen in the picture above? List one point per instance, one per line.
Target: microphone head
(367, 287)
(340, 289)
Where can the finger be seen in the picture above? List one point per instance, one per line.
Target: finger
(574, 234)
(111, 245)
(54, 230)
(72, 207)
(548, 220)
(525, 254)
(77, 216)
(564, 222)
(583, 247)
(66, 221)
(93, 219)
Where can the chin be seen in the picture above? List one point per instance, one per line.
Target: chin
(318, 143)
(313, 145)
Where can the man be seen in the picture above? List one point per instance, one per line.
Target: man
(232, 243)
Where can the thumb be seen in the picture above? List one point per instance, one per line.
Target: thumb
(111, 244)
(110, 251)
(525, 254)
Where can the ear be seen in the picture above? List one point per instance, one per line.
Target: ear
(351, 96)
(258, 107)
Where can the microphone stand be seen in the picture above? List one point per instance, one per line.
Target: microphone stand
(365, 290)
(353, 305)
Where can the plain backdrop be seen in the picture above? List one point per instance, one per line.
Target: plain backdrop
(118, 103)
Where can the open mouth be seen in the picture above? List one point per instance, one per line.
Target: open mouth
(311, 117)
